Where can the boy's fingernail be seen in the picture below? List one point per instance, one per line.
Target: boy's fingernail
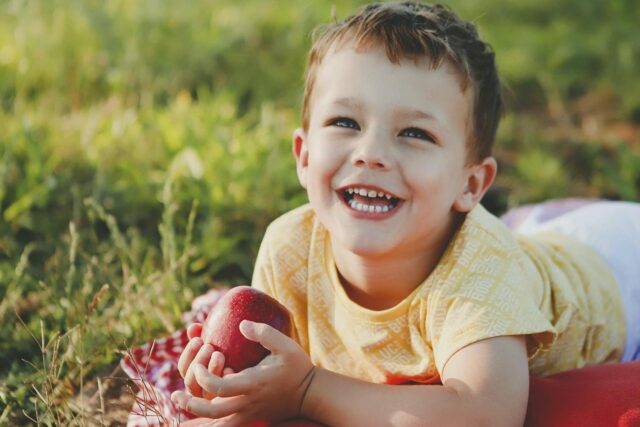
(181, 400)
(175, 397)
(246, 326)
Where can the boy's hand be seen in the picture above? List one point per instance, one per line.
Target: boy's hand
(272, 390)
(197, 352)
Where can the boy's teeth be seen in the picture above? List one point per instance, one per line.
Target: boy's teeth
(369, 193)
(368, 208)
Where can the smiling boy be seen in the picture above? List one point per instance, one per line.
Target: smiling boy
(412, 304)
(369, 133)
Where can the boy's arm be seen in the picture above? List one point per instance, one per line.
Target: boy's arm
(485, 384)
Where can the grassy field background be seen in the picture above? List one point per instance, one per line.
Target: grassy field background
(145, 146)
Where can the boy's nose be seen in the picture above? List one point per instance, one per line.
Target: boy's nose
(372, 153)
(371, 163)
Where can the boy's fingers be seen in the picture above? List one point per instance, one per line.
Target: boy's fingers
(269, 337)
(201, 360)
(216, 364)
(217, 408)
(188, 354)
(228, 386)
(194, 330)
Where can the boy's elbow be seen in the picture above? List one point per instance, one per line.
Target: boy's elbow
(486, 411)
(483, 418)
(484, 414)
(497, 421)
(491, 416)
(478, 419)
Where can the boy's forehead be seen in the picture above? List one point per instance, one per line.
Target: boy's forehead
(424, 62)
(342, 56)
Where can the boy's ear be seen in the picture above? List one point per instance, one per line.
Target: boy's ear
(479, 180)
(301, 154)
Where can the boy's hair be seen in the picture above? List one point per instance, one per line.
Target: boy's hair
(412, 30)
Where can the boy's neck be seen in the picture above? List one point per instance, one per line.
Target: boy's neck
(379, 284)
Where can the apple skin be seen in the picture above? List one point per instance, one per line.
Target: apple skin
(222, 327)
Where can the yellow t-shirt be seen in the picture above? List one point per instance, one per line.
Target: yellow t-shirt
(557, 292)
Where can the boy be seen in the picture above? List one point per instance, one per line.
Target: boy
(412, 305)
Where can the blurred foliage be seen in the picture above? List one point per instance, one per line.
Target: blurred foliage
(145, 146)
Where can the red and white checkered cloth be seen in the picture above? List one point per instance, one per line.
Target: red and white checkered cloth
(154, 369)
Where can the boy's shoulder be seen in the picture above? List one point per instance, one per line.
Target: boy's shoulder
(293, 227)
(482, 241)
(483, 225)
(299, 217)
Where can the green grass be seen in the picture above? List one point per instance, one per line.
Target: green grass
(145, 147)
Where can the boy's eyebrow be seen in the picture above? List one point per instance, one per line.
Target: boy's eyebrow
(412, 114)
(349, 102)
(405, 113)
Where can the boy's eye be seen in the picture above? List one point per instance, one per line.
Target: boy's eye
(345, 122)
(417, 133)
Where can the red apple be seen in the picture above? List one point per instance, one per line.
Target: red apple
(222, 327)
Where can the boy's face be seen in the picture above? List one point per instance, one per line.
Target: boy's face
(384, 158)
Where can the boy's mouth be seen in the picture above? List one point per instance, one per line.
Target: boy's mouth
(369, 200)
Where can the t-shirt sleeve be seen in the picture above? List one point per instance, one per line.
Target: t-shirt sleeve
(490, 296)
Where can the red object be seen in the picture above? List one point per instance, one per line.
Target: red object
(222, 328)
(597, 396)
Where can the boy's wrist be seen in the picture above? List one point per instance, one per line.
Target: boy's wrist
(332, 399)
(308, 401)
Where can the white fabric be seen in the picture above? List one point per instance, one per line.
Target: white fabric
(613, 230)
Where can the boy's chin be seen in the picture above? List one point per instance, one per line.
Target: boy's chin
(368, 248)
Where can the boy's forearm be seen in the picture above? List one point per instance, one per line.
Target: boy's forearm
(337, 400)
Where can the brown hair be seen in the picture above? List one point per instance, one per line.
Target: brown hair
(412, 30)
